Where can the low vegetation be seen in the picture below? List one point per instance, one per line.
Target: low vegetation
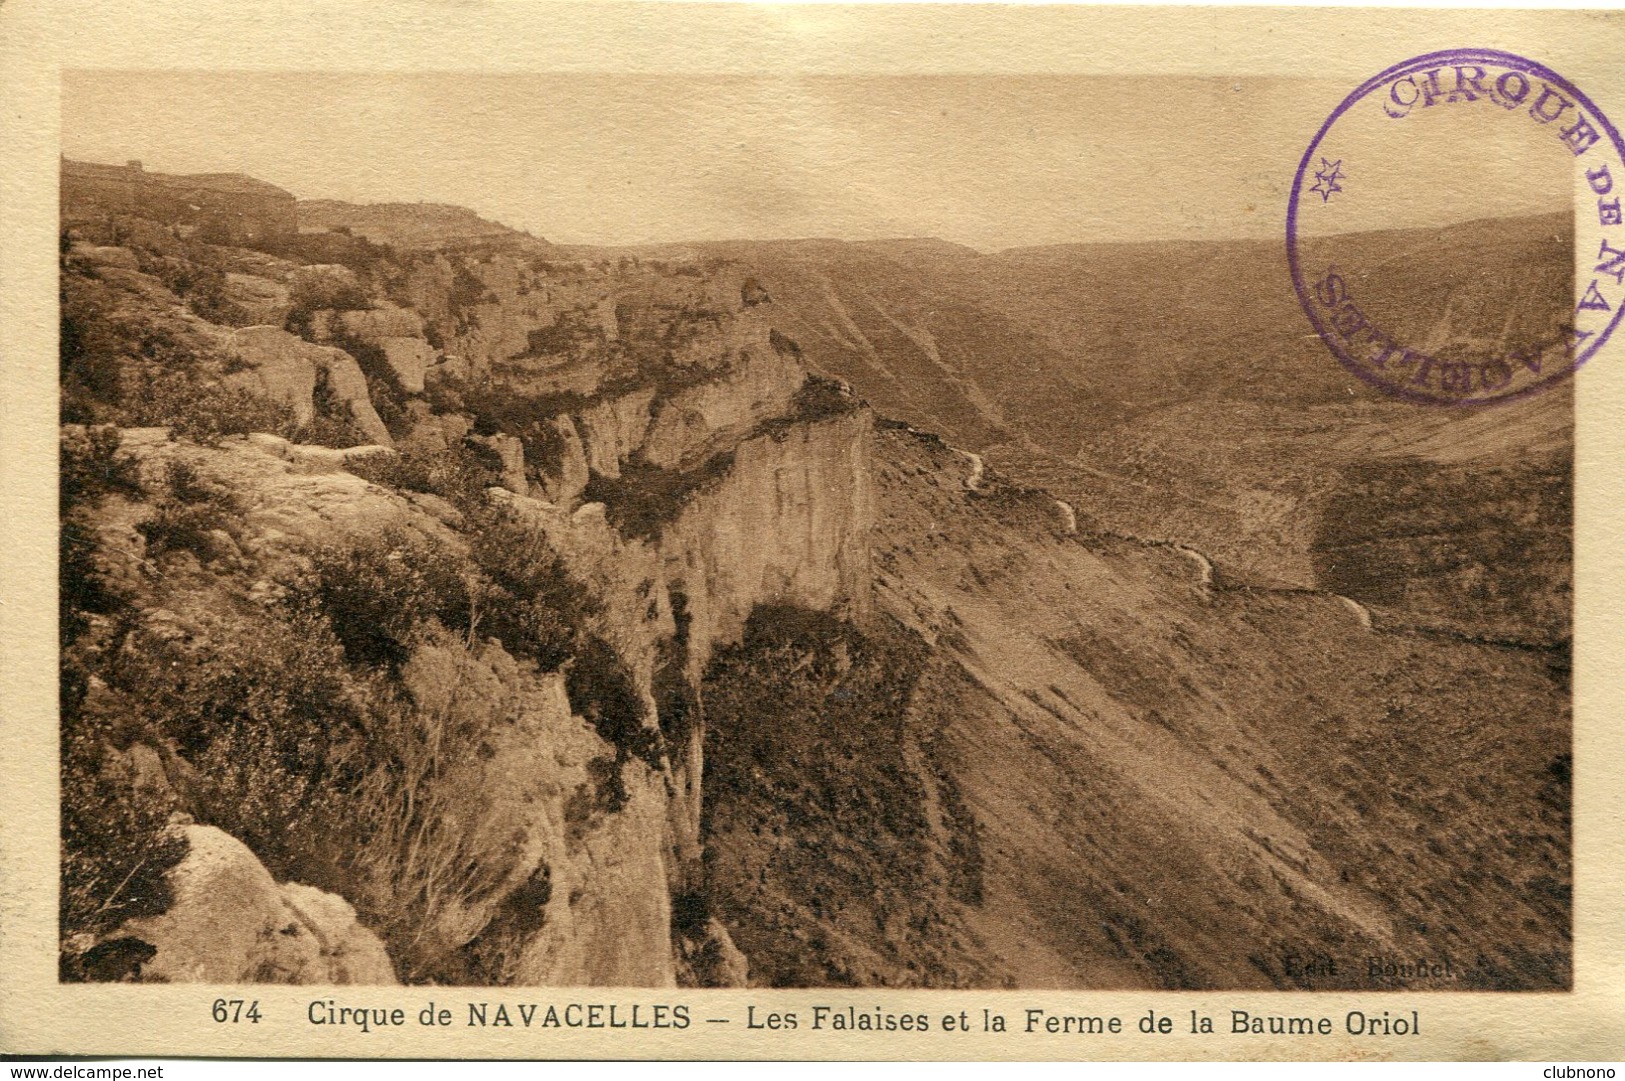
(646, 498)
(816, 812)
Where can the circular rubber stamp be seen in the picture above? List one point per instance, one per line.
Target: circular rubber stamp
(1455, 232)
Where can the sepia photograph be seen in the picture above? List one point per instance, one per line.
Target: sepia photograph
(851, 531)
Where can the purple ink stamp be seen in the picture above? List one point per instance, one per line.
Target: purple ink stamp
(1455, 232)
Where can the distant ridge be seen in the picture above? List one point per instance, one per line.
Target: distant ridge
(411, 225)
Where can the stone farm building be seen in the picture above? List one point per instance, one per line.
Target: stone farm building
(223, 207)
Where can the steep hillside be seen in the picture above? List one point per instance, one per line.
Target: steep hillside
(1060, 760)
(631, 651)
(1244, 771)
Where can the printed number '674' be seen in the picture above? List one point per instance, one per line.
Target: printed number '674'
(236, 1010)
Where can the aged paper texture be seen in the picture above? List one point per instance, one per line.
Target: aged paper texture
(712, 531)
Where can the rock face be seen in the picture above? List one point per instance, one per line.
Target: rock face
(512, 453)
(232, 923)
(409, 359)
(261, 299)
(376, 324)
(564, 482)
(286, 368)
(789, 525)
(612, 430)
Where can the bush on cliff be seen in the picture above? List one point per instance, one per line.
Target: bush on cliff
(91, 344)
(645, 498)
(380, 593)
(115, 847)
(496, 407)
(197, 408)
(458, 474)
(529, 601)
(189, 511)
(602, 691)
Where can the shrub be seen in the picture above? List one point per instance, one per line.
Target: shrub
(378, 593)
(89, 350)
(332, 422)
(269, 719)
(83, 590)
(187, 513)
(570, 329)
(820, 397)
(820, 817)
(644, 499)
(90, 467)
(458, 474)
(601, 691)
(499, 408)
(467, 292)
(532, 605)
(443, 393)
(489, 958)
(204, 412)
(194, 276)
(115, 845)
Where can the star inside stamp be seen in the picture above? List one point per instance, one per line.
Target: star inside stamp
(1513, 176)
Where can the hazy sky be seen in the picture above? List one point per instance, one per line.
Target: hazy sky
(988, 161)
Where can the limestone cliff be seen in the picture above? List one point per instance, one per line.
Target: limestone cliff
(602, 472)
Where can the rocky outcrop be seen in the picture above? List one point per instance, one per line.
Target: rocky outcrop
(409, 359)
(325, 278)
(614, 429)
(756, 385)
(376, 324)
(261, 300)
(286, 368)
(713, 487)
(232, 923)
(105, 255)
(512, 453)
(564, 481)
(788, 525)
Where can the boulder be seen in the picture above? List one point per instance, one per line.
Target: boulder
(261, 299)
(326, 277)
(232, 923)
(284, 367)
(278, 365)
(105, 256)
(354, 954)
(454, 367)
(331, 459)
(409, 359)
(347, 384)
